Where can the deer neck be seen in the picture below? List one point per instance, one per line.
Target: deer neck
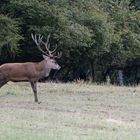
(44, 71)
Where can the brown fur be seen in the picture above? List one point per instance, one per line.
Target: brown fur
(22, 71)
(28, 71)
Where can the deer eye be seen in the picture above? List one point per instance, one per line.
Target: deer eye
(53, 61)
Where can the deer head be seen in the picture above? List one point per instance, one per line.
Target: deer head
(48, 55)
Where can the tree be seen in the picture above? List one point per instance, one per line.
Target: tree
(9, 37)
(126, 44)
(97, 37)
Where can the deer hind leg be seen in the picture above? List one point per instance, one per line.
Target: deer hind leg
(2, 83)
(34, 88)
(3, 80)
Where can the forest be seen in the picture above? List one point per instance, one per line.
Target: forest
(99, 39)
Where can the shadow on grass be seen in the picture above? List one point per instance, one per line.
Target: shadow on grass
(8, 93)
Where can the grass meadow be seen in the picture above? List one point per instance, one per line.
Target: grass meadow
(69, 112)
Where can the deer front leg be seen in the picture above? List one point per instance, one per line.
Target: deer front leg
(34, 88)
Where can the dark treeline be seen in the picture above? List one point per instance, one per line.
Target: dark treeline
(100, 39)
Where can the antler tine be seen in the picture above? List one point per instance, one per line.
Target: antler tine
(47, 44)
(48, 38)
(33, 38)
(58, 55)
(53, 51)
(36, 40)
(40, 38)
(48, 47)
(38, 43)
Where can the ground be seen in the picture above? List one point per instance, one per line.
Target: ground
(69, 112)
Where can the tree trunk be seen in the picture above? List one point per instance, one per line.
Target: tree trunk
(120, 78)
(93, 68)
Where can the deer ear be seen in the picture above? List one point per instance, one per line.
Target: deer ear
(45, 57)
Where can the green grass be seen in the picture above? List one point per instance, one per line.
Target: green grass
(69, 112)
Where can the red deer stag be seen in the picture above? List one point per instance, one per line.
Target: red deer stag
(30, 71)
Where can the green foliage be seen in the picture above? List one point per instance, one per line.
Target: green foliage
(9, 36)
(98, 33)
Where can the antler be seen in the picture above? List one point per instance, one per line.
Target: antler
(58, 55)
(38, 41)
(48, 53)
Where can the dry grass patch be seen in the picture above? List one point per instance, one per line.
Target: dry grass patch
(69, 112)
